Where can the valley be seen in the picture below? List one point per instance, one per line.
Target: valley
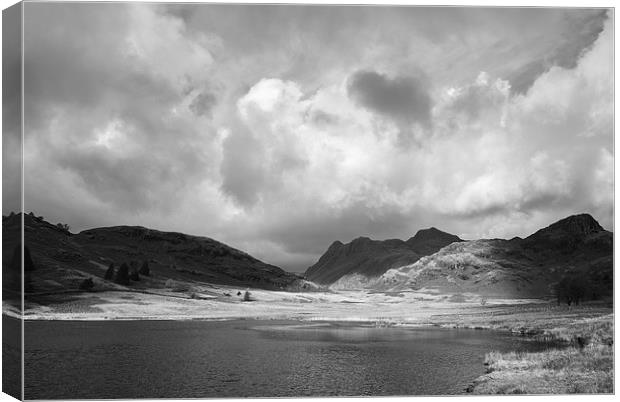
(555, 285)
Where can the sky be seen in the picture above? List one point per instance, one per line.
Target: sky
(280, 129)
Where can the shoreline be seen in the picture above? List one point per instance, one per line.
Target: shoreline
(583, 334)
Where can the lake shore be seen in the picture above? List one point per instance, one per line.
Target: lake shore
(584, 365)
(582, 362)
(222, 302)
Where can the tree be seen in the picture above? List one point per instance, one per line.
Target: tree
(246, 296)
(134, 276)
(109, 274)
(577, 289)
(12, 275)
(144, 269)
(63, 226)
(28, 264)
(87, 284)
(572, 289)
(122, 275)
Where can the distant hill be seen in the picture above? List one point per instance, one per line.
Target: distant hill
(371, 258)
(62, 260)
(576, 246)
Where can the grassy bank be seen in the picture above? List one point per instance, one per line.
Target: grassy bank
(583, 365)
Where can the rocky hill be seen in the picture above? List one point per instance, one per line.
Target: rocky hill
(371, 258)
(63, 260)
(576, 247)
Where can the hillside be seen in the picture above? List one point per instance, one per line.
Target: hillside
(371, 258)
(573, 247)
(62, 260)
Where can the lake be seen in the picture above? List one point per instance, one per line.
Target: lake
(200, 359)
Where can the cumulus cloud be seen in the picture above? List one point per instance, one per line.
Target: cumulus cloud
(203, 103)
(278, 141)
(405, 99)
(11, 108)
(580, 31)
(105, 105)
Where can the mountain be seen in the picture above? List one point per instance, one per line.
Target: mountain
(429, 241)
(371, 258)
(63, 260)
(576, 246)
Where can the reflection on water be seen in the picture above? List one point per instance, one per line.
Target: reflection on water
(157, 359)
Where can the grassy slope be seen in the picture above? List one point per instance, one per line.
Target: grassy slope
(516, 268)
(64, 260)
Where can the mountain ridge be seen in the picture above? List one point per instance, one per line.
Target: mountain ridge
(63, 259)
(576, 246)
(369, 257)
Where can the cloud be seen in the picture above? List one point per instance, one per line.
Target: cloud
(242, 166)
(117, 115)
(278, 139)
(579, 34)
(203, 103)
(404, 99)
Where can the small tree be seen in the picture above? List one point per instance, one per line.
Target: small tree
(64, 227)
(572, 289)
(246, 296)
(28, 264)
(109, 274)
(144, 269)
(87, 284)
(122, 275)
(134, 276)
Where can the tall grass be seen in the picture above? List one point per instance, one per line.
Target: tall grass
(583, 365)
(565, 371)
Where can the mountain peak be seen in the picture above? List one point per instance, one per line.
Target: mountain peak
(574, 225)
(431, 234)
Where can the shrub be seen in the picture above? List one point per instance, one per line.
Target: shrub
(28, 264)
(134, 276)
(572, 289)
(144, 269)
(87, 284)
(109, 274)
(246, 296)
(63, 226)
(122, 275)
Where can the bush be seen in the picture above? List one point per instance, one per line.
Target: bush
(246, 296)
(64, 227)
(122, 275)
(109, 274)
(572, 289)
(134, 276)
(87, 284)
(144, 269)
(28, 264)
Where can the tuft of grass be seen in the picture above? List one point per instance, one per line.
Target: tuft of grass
(559, 371)
(583, 366)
